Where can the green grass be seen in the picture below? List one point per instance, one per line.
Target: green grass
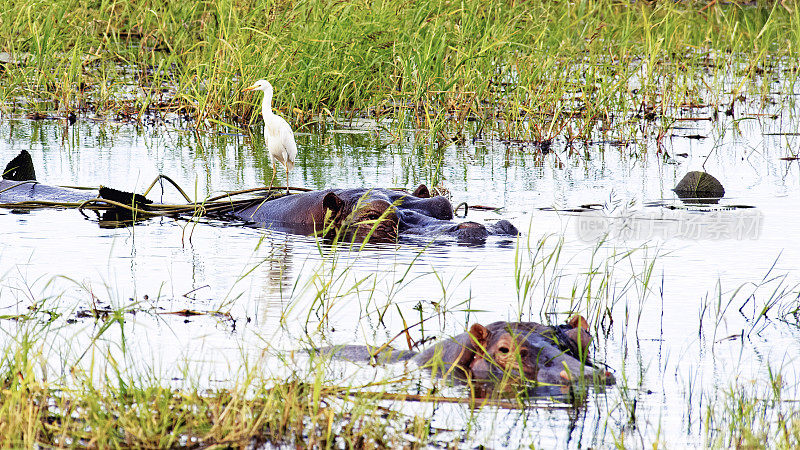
(64, 384)
(143, 412)
(752, 416)
(533, 70)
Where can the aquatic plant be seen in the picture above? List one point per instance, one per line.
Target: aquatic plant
(530, 70)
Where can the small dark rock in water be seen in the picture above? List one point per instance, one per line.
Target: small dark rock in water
(699, 185)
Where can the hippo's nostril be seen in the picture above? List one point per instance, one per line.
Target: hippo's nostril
(523, 353)
(471, 232)
(504, 350)
(469, 225)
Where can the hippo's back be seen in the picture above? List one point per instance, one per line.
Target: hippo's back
(28, 191)
(363, 353)
(298, 209)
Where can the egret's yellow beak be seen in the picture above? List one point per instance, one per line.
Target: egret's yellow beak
(249, 88)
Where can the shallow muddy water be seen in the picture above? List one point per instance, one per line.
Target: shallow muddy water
(676, 290)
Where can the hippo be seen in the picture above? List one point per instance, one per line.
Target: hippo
(29, 191)
(378, 215)
(525, 351)
(18, 186)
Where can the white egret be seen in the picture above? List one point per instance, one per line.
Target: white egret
(277, 132)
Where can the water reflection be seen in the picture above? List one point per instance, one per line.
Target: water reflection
(276, 272)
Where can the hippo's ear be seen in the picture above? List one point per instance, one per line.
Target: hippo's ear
(578, 321)
(20, 168)
(581, 338)
(332, 202)
(479, 334)
(578, 332)
(422, 192)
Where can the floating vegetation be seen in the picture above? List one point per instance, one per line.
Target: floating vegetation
(137, 205)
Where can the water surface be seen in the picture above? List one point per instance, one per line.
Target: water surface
(678, 308)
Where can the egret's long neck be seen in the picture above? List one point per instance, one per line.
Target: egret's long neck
(266, 104)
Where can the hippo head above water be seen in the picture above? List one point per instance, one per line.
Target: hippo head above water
(523, 350)
(377, 215)
(501, 354)
(362, 216)
(369, 217)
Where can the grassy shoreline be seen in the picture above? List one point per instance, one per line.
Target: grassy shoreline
(534, 70)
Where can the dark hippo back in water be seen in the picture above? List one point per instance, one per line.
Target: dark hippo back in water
(369, 214)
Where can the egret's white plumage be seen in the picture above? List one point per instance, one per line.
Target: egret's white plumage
(277, 132)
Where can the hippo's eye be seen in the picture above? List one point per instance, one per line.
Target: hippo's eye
(503, 349)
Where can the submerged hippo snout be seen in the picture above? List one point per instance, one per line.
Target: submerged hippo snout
(471, 231)
(590, 375)
(504, 227)
(523, 367)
